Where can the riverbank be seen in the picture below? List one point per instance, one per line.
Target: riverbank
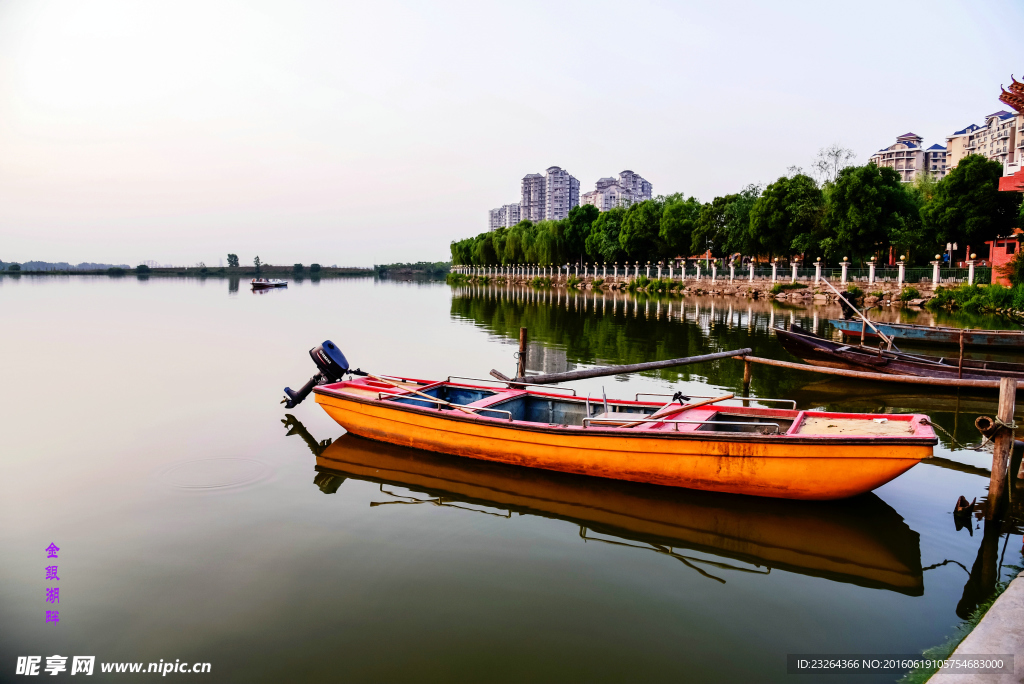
(879, 293)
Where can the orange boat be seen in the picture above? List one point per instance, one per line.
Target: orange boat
(769, 452)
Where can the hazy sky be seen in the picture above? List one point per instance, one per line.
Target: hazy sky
(371, 132)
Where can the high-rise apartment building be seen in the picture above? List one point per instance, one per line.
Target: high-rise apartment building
(511, 214)
(495, 218)
(627, 189)
(639, 188)
(533, 201)
(561, 193)
(504, 216)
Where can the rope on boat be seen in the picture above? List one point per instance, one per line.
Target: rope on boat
(953, 440)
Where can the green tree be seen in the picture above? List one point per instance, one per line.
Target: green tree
(639, 236)
(297, 268)
(603, 241)
(256, 262)
(314, 268)
(787, 216)
(483, 250)
(967, 207)
(577, 230)
(142, 268)
(676, 225)
(232, 260)
(737, 221)
(867, 207)
(14, 267)
(712, 226)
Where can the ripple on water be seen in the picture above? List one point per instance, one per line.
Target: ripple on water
(211, 474)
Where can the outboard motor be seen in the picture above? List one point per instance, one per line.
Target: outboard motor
(332, 364)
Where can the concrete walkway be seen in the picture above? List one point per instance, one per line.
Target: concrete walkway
(1000, 631)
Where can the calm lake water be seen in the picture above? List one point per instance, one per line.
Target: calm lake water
(199, 520)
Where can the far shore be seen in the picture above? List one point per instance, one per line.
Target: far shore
(206, 272)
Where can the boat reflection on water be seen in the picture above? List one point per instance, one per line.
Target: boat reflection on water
(859, 541)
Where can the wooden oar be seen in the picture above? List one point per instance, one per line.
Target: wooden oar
(432, 399)
(670, 409)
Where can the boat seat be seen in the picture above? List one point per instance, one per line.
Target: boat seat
(619, 418)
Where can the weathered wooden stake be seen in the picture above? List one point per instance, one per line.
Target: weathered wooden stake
(746, 376)
(1003, 447)
(521, 368)
(960, 365)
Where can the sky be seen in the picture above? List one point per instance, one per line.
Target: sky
(378, 132)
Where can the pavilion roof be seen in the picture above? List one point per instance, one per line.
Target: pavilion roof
(1013, 99)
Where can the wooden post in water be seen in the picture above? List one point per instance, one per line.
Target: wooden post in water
(960, 364)
(1003, 447)
(746, 377)
(521, 368)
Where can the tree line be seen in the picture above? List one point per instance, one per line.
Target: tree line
(852, 211)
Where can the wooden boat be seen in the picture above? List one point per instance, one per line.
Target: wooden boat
(818, 351)
(744, 450)
(266, 284)
(924, 334)
(860, 541)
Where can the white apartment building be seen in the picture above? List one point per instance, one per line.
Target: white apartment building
(533, 202)
(495, 219)
(956, 145)
(548, 196)
(504, 216)
(511, 214)
(639, 188)
(627, 189)
(907, 156)
(935, 160)
(562, 193)
(997, 139)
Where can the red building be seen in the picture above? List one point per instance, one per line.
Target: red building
(1000, 252)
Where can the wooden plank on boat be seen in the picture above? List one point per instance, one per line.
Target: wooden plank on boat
(629, 368)
(883, 377)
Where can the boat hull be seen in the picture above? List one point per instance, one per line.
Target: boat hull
(772, 466)
(1005, 339)
(827, 354)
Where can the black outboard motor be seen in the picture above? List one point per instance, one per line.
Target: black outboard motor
(332, 364)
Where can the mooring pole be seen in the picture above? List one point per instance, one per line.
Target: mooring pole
(521, 368)
(960, 364)
(1003, 447)
(746, 377)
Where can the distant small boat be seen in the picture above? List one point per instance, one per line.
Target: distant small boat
(924, 334)
(266, 284)
(818, 351)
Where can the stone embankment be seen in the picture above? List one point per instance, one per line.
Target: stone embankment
(1000, 632)
(879, 293)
